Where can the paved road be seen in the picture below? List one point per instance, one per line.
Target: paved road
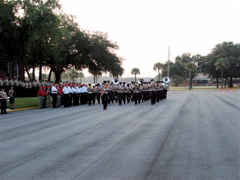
(191, 135)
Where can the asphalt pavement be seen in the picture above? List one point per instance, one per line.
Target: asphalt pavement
(191, 135)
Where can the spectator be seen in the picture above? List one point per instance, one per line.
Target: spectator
(11, 95)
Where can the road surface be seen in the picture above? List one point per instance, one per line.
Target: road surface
(191, 135)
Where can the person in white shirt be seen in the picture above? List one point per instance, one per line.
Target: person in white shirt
(70, 95)
(65, 95)
(74, 95)
(78, 93)
(54, 95)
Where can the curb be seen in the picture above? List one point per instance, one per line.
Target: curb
(21, 109)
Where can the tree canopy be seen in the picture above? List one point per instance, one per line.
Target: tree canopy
(209, 65)
(37, 33)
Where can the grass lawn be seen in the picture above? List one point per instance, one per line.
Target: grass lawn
(25, 102)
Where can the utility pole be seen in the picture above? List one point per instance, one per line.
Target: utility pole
(168, 60)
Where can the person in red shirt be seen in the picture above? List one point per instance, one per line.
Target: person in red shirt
(41, 94)
(59, 95)
(48, 96)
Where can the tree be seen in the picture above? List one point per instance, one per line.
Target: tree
(9, 35)
(102, 57)
(135, 71)
(34, 33)
(190, 67)
(73, 74)
(81, 75)
(158, 66)
(228, 51)
(222, 64)
(38, 28)
(64, 76)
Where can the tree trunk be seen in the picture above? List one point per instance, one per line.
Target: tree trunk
(135, 77)
(49, 75)
(27, 71)
(57, 77)
(190, 80)
(94, 78)
(217, 82)
(33, 73)
(222, 78)
(40, 70)
(230, 83)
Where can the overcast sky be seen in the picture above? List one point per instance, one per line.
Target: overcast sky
(144, 29)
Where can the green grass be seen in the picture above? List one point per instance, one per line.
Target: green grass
(25, 102)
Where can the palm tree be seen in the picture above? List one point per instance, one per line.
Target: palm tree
(221, 64)
(135, 71)
(190, 67)
(158, 66)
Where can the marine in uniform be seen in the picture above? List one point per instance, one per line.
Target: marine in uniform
(11, 95)
(34, 88)
(16, 87)
(95, 91)
(90, 94)
(120, 91)
(1, 83)
(104, 95)
(153, 92)
(99, 88)
(6, 84)
(3, 99)
(135, 93)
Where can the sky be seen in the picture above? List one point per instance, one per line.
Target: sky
(145, 29)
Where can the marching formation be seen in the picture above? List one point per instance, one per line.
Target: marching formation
(73, 94)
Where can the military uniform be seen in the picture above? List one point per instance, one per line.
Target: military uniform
(6, 84)
(99, 88)
(90, 94)
(11, 83)
(16, 87)
(104, 95)
(120, 91)
(11, 95)
(1, 83)
(22, 89)
(153, 93)
(95, 91)
(135, 94)
(3, 98)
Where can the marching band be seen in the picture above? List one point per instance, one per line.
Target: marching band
(73, 94)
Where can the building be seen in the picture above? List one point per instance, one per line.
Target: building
(13, 71)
